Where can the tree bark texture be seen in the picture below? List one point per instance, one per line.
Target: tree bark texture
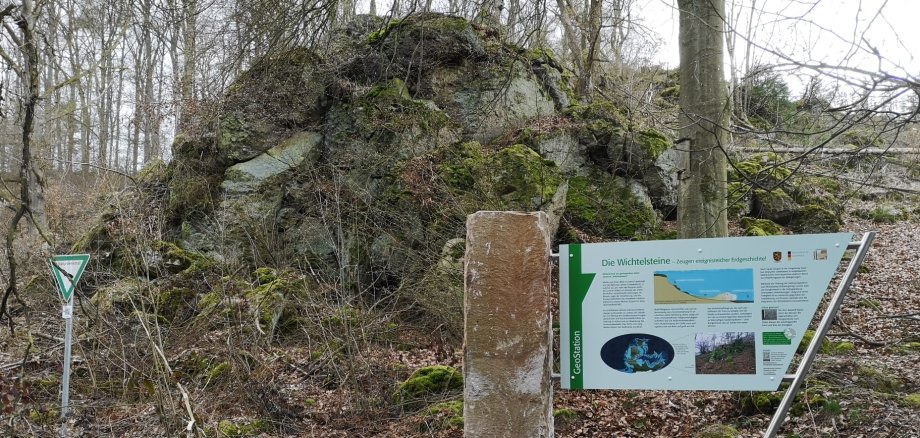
(704, 114)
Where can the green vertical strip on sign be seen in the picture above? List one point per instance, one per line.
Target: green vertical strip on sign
(579, 283)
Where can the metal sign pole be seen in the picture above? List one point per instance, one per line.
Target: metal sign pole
(67, 314)
(862, 248)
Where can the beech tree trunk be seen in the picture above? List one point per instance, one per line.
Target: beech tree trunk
(702, 205)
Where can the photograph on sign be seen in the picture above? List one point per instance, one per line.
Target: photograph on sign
(694, 314)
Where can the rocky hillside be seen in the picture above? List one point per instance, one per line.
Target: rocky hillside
(300, 258)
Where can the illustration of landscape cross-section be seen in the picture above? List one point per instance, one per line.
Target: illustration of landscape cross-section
(704, 286)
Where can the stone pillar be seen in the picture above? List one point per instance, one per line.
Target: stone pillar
(507, 353)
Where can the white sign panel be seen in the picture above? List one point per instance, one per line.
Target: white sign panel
(695, 314)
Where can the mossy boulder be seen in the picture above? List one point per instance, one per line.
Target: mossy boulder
(765, 171)
(775, 205)
(194, 184)
(175, 303)
(760, 227)
(279, 95)
(600, 124)
(815, 219)
(740, 199)
(174, 259)
(606, 206)
(368, 137)
(276, 303)
(154, 175)
(121, 296)
(511, 178)
(427, 383)
(518, 176)
(647, 156)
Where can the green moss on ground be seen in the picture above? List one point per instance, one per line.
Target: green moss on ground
(878, 379)
(718, 431)
(219, 373)
(912, 400)
(443, 416)
(229, 429)
(760, 402)
(563, 416)
(428, 382)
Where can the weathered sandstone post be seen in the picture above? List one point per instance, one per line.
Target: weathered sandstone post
(507, 354)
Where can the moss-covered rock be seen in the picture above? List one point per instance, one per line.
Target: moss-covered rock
(276, 302)
(518, 176)
(760, 227)
(121, 296)
(764, 170)
(175, 303)
(604, 205)
(439, 293)
(815, 219)
(740, 199)
(279, 95)
(774, 205)
(176, 259)
(426, 383)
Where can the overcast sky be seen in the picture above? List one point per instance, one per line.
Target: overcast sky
(813, 30)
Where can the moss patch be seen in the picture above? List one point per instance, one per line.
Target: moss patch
(878, 379)
(718, 431)
(229, 429)
(815, 219)
(912, 400)
(604, 206)
(443, 416)
(653, 142)
(428, 382)
(760, 227)
(759, 402)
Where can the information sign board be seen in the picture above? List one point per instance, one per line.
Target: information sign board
(694, 314)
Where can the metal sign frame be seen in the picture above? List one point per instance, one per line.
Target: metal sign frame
(798, 377)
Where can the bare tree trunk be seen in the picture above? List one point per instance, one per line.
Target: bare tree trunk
(190, 57)
(702, 194)
(31, 180)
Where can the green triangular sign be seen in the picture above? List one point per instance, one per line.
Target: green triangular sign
(67, 270)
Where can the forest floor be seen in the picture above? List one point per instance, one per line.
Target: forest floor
(865, 382)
